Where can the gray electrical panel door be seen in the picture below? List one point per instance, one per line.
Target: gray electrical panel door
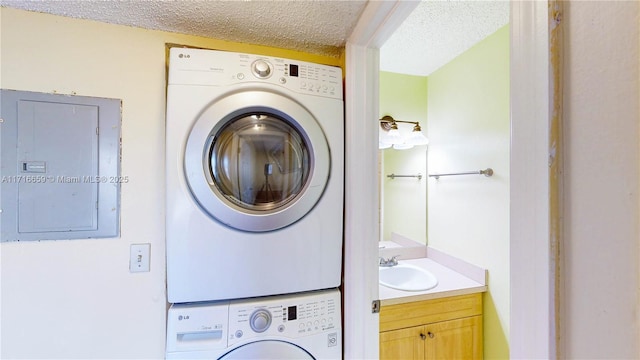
(60, 166)
(58, 149)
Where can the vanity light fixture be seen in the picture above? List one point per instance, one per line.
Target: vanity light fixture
(395, 139)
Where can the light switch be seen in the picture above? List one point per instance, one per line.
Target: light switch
(139, 257)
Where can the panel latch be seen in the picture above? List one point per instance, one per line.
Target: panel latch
(34, 167)
(375, 306)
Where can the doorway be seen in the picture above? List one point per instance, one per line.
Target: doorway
(529, 214)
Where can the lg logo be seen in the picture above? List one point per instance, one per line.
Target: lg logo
(180, 317)
(186, 56)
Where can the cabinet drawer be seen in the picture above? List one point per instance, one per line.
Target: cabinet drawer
(429, 311)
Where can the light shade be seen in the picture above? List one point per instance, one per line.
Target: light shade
(402, 146)
(393, 137)
(417, 138)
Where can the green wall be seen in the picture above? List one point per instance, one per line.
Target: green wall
(469, 130)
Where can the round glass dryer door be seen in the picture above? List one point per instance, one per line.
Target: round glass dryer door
(257, 168)
(259, 162)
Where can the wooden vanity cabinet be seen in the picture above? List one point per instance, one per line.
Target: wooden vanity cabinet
(446, 328)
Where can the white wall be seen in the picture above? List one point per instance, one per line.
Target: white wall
(76, 298)
(599, 316)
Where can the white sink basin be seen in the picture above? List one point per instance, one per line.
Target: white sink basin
(407, 277)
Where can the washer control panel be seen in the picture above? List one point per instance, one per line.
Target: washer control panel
(219, 68)
(288, 316)
(215, 326)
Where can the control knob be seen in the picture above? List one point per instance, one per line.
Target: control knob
(260, 320)
(261, 68)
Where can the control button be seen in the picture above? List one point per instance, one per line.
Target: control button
(324, 321)
(303, 85)
(239, 334)
(282, 80)
(301, 326)
(309, 324)
(260, 320)
(281, 328)
(324, 88)
(240, 76)
(316, 323)
(333, 340)
(332, 88)
(261, 68)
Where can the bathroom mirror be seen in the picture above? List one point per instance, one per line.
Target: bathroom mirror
(403, 197)
(403, 194)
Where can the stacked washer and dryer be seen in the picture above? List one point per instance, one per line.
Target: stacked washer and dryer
(254, 163)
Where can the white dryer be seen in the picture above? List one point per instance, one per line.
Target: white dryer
(254, 170)
(303, 326)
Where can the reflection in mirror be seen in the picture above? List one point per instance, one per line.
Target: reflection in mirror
(403, 200)
(403, 194)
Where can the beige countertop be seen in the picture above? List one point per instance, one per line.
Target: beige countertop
(455, 277)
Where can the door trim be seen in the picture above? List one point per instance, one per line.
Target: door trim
(532, 263)
(377, 23)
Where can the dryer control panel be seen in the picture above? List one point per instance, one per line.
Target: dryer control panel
(220, 68)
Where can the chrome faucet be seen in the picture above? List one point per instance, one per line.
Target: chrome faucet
(393, 261)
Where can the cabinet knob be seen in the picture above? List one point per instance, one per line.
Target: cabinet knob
(431, 335)
(422, 336)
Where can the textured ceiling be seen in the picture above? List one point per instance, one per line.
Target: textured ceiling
(319, 27)
(436, 32)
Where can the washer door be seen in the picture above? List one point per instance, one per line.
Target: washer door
(256, 161)
(267, 350)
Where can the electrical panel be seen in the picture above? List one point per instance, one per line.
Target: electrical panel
(60, 166)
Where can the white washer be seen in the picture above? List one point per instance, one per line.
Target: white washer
(254, 167)
(302, 326)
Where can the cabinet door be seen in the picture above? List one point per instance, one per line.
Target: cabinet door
(455, 339)
(402, 344)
